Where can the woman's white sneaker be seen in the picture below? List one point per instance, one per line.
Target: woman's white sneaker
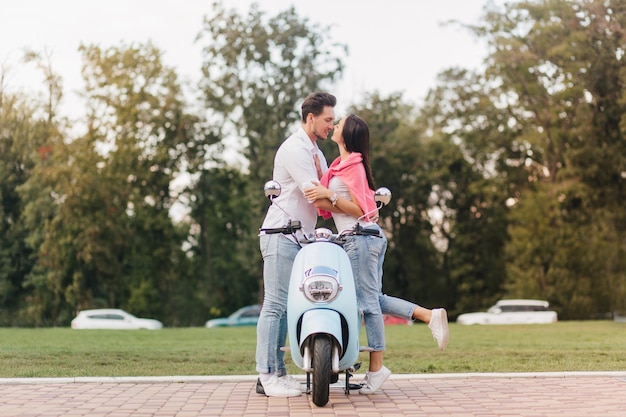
(374, 380)
(439, 327)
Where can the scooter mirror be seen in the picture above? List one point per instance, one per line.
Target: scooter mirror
(382, 195)
(272, 189)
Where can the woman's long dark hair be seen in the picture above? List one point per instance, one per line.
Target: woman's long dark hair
(356, 137)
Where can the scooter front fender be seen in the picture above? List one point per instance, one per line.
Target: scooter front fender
(320, 320)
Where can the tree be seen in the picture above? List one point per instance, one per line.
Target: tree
(399, 162)
(256, 69)
(19, 137)
(30, 128)
(137, 111)
(471, 181)
(559, 68)
(111, 241)
(220, 204)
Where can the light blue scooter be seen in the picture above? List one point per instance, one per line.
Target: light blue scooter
(323, 319)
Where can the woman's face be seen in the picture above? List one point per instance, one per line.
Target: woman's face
(338, 132)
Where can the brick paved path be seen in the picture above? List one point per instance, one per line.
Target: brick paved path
(451, 395)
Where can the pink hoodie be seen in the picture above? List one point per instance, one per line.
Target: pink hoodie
(352, 173)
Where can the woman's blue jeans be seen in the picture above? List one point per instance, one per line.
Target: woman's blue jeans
(367, 254)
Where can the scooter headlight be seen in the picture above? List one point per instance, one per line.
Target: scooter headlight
(320, 288)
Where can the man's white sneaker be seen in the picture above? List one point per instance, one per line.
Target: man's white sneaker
(291, 382)
(439, 327)
(374, 380)
(279, 387)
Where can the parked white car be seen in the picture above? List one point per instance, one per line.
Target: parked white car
(113, 319)
(512, 312)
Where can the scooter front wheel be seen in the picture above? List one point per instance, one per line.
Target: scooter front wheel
(321, 370)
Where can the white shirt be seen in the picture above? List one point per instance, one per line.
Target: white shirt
(344, 221)
(293, 166)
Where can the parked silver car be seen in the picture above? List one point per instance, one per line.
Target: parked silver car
(245, 316)
(512, 312)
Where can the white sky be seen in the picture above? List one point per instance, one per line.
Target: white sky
(394, 46)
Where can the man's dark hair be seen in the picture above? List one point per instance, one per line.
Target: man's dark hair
(315, 103)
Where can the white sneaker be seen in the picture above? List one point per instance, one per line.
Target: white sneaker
(291, 382)
(279, 387)
(439, 327)
(374, 380)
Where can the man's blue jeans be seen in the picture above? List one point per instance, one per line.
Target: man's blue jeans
(278, 253)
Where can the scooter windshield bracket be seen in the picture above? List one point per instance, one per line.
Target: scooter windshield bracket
(321, 270)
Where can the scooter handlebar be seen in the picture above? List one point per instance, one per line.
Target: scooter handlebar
(356, 231)
(289, 229)
(368, 232)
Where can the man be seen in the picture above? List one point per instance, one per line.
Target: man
(298, 160)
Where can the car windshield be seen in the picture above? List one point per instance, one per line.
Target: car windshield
(516, 308)
(523, 308)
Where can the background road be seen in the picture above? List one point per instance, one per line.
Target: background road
(463, 395)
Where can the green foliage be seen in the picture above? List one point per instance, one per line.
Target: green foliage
(256, 69)
(110, 240)
(226, 262)
(470, 181)
(18, 150)
(29, 131)
(507, 181)
(561, 65)
(140, 120)
(400, 162)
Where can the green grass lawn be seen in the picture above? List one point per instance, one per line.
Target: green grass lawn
(62, 352)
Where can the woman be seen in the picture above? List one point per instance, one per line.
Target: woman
(346, 192)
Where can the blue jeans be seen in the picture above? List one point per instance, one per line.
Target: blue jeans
(367, 254)
(396, 306)
(278, 255)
